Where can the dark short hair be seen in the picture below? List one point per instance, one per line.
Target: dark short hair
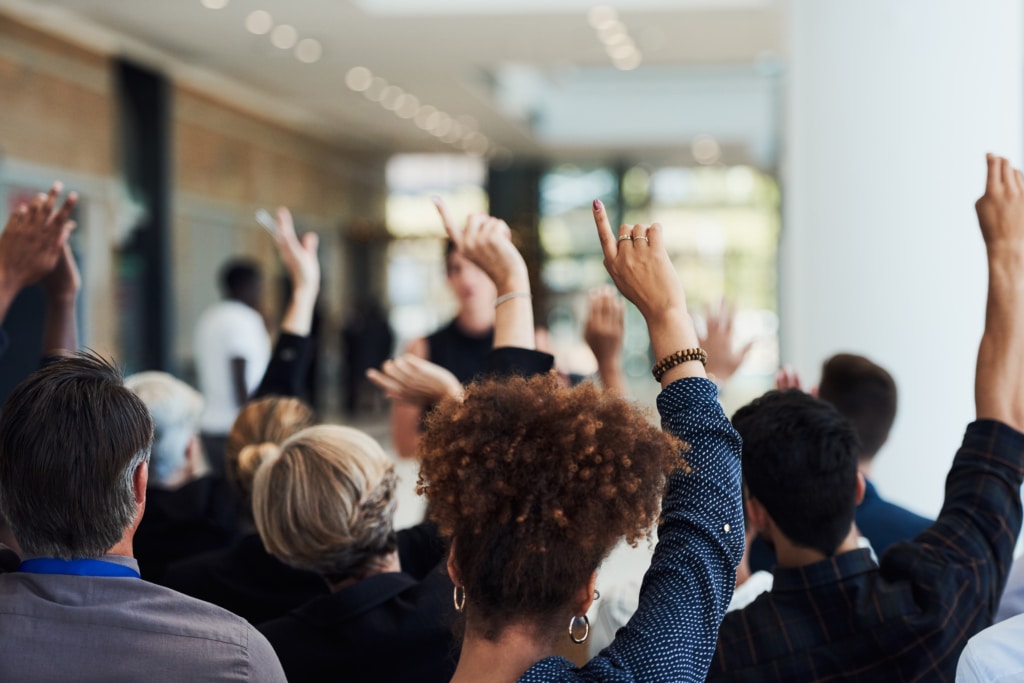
(865, 394)
(71, 437)
(800, 463)
(237, 275)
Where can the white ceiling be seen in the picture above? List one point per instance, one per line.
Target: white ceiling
(512, 66)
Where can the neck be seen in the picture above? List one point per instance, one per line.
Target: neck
(123, 547)
(476, 319)
(865, 468)
(388, 564)
(743, 571)
(505, 659)
(791, 555)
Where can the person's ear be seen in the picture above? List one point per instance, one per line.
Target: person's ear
(585, 597)
(757, 517)
(861, 488)
(453, 570)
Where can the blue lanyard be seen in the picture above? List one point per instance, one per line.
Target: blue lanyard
(50, 565)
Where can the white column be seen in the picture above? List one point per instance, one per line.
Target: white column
(891, 106)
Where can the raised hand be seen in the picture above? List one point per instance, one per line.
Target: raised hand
(1001, 208)
(61, 284)
(640, 267)
(303, 266)
(415, 380)
(604, 333)
(723, 357)
(487, 242)
(33, 241)
(299, 256)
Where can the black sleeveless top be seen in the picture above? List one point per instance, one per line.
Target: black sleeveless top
(459, 353)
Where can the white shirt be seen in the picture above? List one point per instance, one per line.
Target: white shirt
(994, 655)
(227, 330)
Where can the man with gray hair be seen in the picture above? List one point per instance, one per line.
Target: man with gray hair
(186, 514)
(74, 465)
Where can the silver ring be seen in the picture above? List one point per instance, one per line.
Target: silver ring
(643, 237)
(626, 237)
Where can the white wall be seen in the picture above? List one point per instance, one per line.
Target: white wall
(891, 107)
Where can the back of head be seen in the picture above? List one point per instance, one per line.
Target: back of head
(259, 429)
(865, 394)
(240, 279)
(326, 503)
(800, 463)
(535, 483)
(71, 438)
(175, 408)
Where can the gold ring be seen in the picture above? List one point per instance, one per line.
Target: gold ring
(626, 237)
(643, 237)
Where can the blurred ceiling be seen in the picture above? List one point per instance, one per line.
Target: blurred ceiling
(536, 78)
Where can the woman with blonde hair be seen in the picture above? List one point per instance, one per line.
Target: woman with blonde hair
(326, 504)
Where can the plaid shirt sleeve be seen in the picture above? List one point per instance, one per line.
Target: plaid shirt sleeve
(907, 619)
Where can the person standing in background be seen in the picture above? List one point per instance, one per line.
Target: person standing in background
(232, 348)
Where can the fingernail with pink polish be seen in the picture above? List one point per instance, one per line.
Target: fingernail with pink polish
(598, 205)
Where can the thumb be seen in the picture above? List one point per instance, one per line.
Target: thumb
(311, 241)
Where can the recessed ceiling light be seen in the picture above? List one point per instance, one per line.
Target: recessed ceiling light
(284, 36)
(259, 22)
(601, 15)
(358, 78)
(442, 124)
(706, 149)
(309, 50)
(629, 63)
(389, 98)
(377, 87)
(622, 52)
(616, 39)
(469, 124)
(215, 4)
(425, 116)
(610, 29)
(408, 106)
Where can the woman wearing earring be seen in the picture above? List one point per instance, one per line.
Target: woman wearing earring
(534, 483)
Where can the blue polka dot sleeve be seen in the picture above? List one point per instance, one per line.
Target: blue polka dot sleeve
(687, 588)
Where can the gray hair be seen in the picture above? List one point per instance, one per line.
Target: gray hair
(71, 439)
(176, 408)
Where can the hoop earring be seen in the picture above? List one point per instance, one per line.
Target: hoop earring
(586, 629)
(459, 598)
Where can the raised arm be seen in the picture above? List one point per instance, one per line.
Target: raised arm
(32, 243)
(61, 285)
(604, 332)
(724, 358)
(700, 538)
(998, 385)
(286, 372)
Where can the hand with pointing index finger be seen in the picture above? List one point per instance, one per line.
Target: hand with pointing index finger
(487, 242)
(639, 265)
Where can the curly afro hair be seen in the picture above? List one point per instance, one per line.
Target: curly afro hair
(535, 483)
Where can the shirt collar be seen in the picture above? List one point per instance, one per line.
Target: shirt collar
(831, 570)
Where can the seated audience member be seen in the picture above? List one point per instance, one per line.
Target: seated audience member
(535, 482)
(243, 577)
(74, 453)
(326, 504)
(865, 394)
(833, 613)
(185, 514)
(995, 655)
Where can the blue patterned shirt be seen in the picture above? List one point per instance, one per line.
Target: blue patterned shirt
(683, 598)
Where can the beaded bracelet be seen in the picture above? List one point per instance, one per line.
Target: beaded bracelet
(678, 358)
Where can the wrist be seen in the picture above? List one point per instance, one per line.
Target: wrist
(514, 282)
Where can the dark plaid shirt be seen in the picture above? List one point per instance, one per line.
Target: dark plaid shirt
(846, 619)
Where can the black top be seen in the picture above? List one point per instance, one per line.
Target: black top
(200, 516)
(394, 626)
(460, 353)
(245, 579)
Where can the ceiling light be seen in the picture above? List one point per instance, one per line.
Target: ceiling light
(622, 52)
(359, 78)
(309, 50)
(215, 4)
(469, 124)
(408, 106)
(425, 116)
(610, 29)
(454, 133)
(390, 96)
(377, 87)
(259, 22)
(616, 39)
(706, 149)
(478, 145)
(601, 15)
(629, 63)
(284, 36)
(442, 124)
